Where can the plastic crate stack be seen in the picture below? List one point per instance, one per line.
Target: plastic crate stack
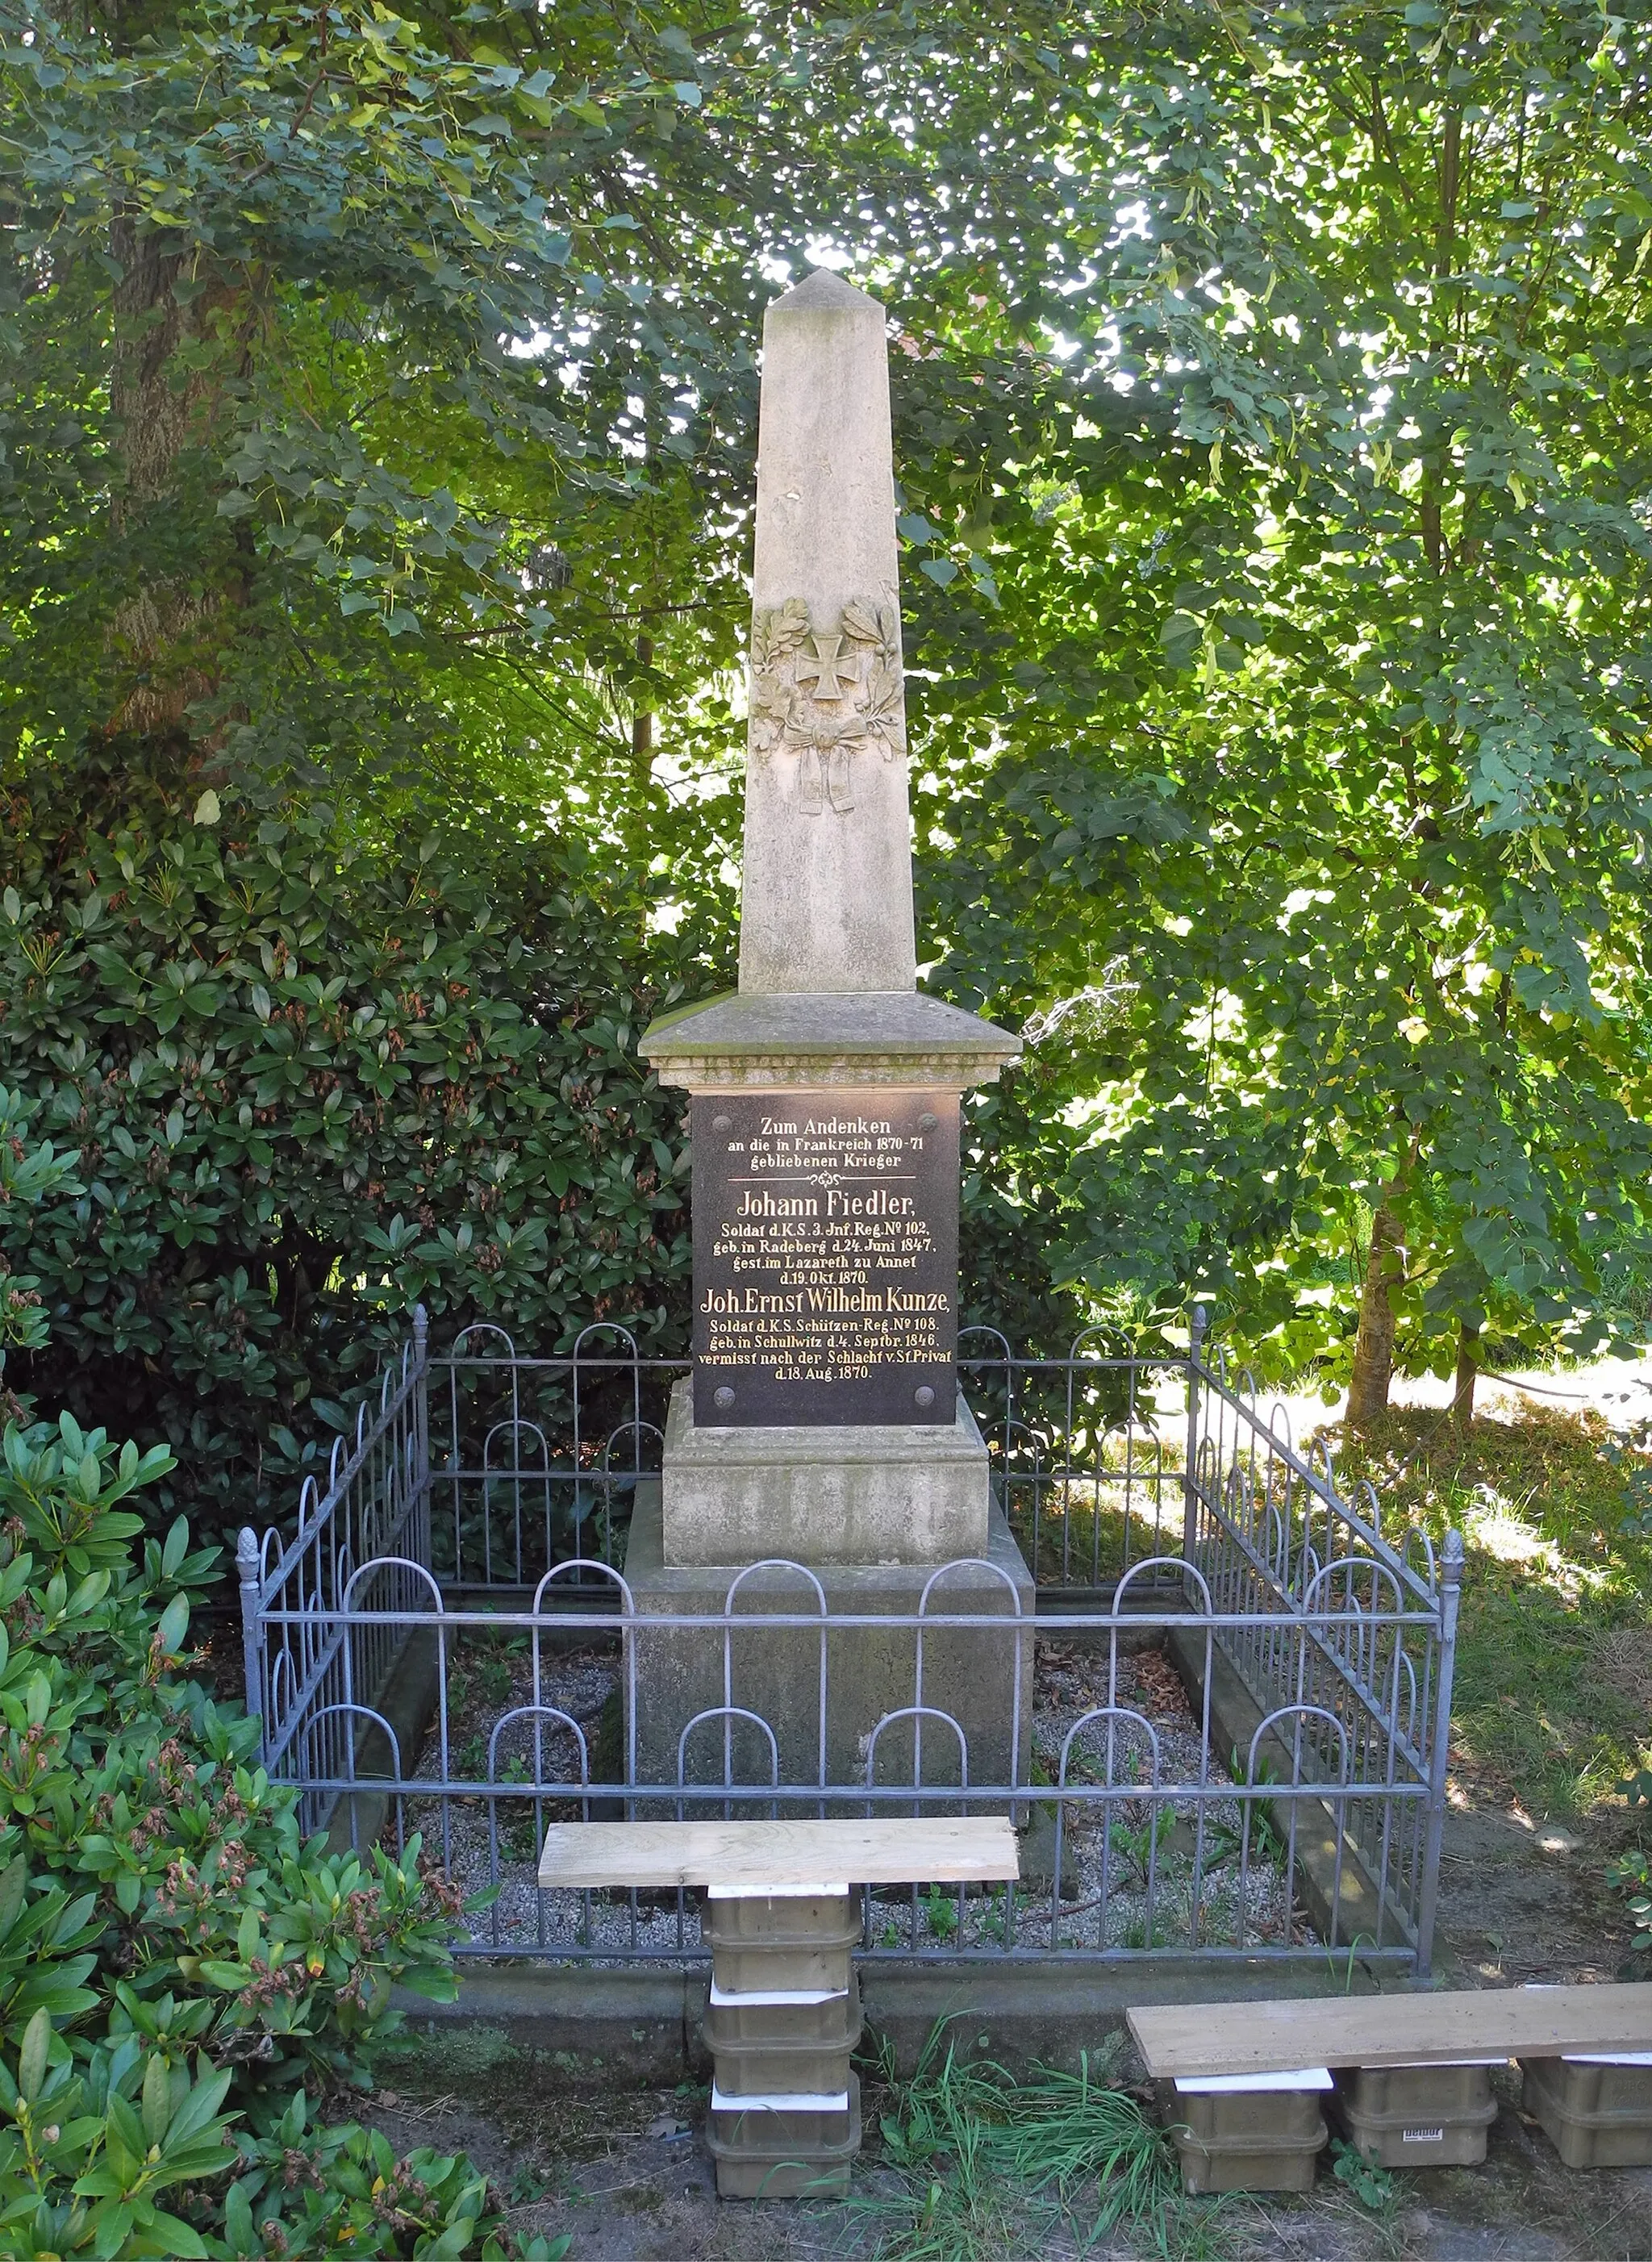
(782, 2023)
(1262, 2132)
(1247, 2132)
(1596, 2110)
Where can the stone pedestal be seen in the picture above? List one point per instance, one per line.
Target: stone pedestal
(873, 1493)
(973, 1673)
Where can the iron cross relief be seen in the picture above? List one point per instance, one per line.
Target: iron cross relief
(831, 674)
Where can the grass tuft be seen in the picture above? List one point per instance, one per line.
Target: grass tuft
(990, 2164)
(1071, 2129)
(951, 2205)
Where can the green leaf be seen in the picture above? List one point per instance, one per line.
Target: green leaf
(158, 2098)
(125, 2143)
(173, 1625)
(14, 1881)
(244, 2240)
(199, 2107)
(34, 2056)
(219, 1973)
(169, 2234)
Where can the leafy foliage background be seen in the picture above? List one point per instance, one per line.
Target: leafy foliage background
(306, 1078)
(378, 402)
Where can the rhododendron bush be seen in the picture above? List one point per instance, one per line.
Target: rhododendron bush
(180, 1971)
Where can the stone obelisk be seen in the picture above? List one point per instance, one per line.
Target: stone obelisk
(826, 906)
(824, 1425)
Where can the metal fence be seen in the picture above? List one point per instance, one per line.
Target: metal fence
(1223, 1726)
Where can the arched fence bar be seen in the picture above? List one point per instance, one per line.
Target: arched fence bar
(1238, 1679)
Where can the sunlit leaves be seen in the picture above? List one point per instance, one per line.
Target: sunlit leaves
(1377, 615)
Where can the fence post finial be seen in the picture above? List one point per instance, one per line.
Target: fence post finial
(251, 1644)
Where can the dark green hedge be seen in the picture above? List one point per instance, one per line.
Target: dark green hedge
(313, 1074)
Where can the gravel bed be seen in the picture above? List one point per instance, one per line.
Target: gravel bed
(1105, 1863)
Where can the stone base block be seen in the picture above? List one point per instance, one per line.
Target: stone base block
(972, 1673)
(877, 1493)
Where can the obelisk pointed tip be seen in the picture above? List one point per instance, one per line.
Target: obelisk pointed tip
(825, 897)
(824, 288)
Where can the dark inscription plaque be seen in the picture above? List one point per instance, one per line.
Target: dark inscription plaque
(825, 1258)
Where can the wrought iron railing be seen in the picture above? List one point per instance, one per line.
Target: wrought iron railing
(535, 1461)
(448, 1644)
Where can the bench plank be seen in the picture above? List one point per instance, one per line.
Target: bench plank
(1195, 2038)
(975, 1849)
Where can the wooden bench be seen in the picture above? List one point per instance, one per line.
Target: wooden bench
(784, 2011)
(1413, 2076)
(766, 1858)
(1205, 2038)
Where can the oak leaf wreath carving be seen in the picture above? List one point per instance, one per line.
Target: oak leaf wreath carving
(786, 716)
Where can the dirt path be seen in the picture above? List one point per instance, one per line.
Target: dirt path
(628, 2179)
(1521, 1900)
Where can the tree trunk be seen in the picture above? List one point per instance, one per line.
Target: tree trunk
(642, 727)
(1374, 1344)
(1462, 1397)
(168, 633)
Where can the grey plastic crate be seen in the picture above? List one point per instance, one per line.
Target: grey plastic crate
(774, 2069)
(766, 1947)
(781, 1919)
(768, 1970)
(740, 2020)
(786, 2155)
(1597, 2115)
(1246, 2139)
(1418, 2116)
(783, 2047)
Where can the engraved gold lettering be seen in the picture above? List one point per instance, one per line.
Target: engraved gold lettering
(829, 1240)
(767, 1204)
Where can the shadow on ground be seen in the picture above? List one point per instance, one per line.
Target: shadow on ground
(628, 2178)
